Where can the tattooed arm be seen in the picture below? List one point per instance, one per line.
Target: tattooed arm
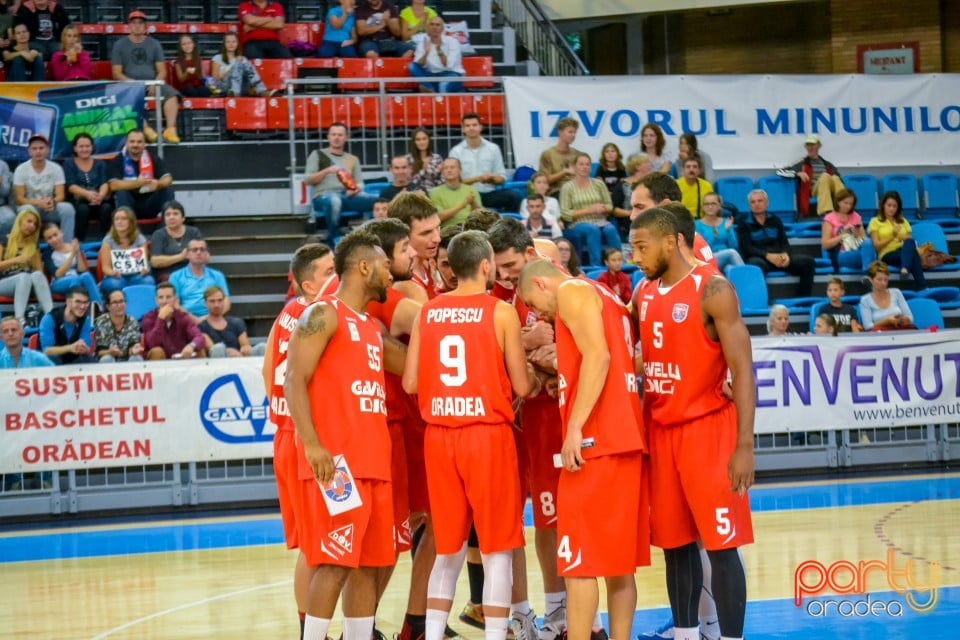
(722, 320)
(316, 327)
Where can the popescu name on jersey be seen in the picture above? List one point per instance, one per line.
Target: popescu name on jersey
(457, 407)
(372, 396)
(467, 315)
(660, 376)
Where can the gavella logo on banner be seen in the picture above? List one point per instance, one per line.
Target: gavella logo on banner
(229, 415)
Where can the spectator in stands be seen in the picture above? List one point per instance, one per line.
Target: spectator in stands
(87, 186)
(260, 25)
(692, 187)
(842, 232)
(614, 277)
(169, 331)
(188, 71)
(21, 269)
(454, 199)
(884, 309)
(424, 162)
(66, 333)
(415, 18)
(191, 281)
(168, 244)
(8, 10)
(340, 32)
(125, 254)
(652, 145)
(226, 336)
(778, 322)
(844, 314)
(337, 180)
(719, 233)
(438, 56)
(763, 243)
(71, 62)
(233, 73)
(652, 190)
(118, 335)
(892, 237)
(825, 325)
(45, 20)
(568, 257)
(7, 214)
(637, 168)
(481, 219)
(481, 165)
(687, 147)
(24, 61)
(40, 183)
(538, 222)
(613, 173)
(586, 208)
(400, 170)
(140, 57)
(816, 178)
(540, 185)
(138, 179)
(378, 28)
(16, 356)
(67, 265)
(557, 161)
(381, 209)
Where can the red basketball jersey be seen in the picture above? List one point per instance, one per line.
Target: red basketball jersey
(702, 250)
(423, 277)
(283, 328)
(616, 422)
(329, 287)
(348, 396)
(396, 396)
(462, 379)
(683, 368)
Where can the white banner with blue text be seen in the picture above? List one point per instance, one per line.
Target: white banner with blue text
(747, 122)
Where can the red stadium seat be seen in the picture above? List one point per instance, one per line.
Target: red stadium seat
(356, 68)
(409, 111)
(357, 112)
(102, 70)
(33, 342)
(274, 72)
(316, 63)
(211, 28)
(204, 103)
(168, 28)
(304, 32)
(447, 110)
(478, 66)
(246, 114)
(91, 29)
(394, 68)
(490, 108)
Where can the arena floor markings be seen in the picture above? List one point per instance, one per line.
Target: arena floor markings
(867, 548)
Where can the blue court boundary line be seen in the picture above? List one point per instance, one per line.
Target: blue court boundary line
(184, 536)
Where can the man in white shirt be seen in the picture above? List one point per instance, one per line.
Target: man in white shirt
(41, 184)
(481, 164)
(437, 56)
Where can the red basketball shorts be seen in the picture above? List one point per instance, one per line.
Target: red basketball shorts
(398, 474)
(544, 438)
(288, 486)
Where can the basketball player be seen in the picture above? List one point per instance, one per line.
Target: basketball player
(420, 214)
(657, 189)
(311, 266)
(513, 248)
(598, 403)
(335, 392)
(701, 444)
(466, 356)
(448, 281)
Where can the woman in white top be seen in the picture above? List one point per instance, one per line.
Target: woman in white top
(652, 145)
(233, 74)
(124, 255)
(884, 309)
(67, 266)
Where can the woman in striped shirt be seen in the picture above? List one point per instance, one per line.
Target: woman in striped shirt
(586, 207)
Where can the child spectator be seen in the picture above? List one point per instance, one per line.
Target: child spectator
(844, 314)
(71, 62)
(614, 277)
(539, 223)
(340, 32)
(825, 325)
(380, 208)
(188, 71)
(124, 255)
(226, 336)
(118, 334)
(233, 74)
(540, 185)
(67, 265)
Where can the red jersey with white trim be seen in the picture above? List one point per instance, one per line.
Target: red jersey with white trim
(348, 397)
(701, 249)
(616, 422)
(684, 368)
(329, 287)
(423, 277)
(396, 396)
(283, 328)
(462, 379)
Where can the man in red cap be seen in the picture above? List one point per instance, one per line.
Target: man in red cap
(140, 57)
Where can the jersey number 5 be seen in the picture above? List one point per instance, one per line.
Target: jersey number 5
(453, 356)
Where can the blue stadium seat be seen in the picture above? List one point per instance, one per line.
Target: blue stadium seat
(140, 299)
(850, 261)
(734, 190)
(511, 214)
(799, 305)
(635, 278)
(931, 232)
(805, 229)
(751, 288)
(946, 297)
(593, 272)
(375, 188)
(518, 187)
(940, 198)
(906, 185)
(783, 196)
(865, 187)
(926, 313)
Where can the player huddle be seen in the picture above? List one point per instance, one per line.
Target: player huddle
(419, 409)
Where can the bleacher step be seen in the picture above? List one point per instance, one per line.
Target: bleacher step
(252, 245)
(214, 227)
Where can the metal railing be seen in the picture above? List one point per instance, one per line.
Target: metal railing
(540, 36)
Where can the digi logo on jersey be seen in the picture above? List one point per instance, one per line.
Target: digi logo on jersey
(228, 414)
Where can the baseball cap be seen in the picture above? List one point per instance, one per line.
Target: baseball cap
(137, 15)
(812, 139)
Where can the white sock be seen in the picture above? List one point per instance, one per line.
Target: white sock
(692, 633)
(436, 624)
(598, 623)
(729, 638)
(315, 628)
(357, 628)
(554, 601)
(708, 606)
(495, 628)
(522, 608)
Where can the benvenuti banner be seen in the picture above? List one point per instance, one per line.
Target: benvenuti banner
(747, 122)
(60, 110)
